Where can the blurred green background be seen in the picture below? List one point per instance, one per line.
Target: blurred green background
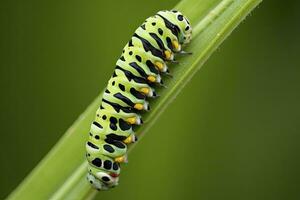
(233, 133)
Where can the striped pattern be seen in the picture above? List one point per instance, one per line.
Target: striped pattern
(138, 71)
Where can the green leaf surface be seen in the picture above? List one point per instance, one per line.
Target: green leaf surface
(61, 174)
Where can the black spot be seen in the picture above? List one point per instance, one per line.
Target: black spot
(107, 164)
(105, 178)
(113, 120)
(115, 166)
(119, 144)
(113, 83)
(153, 23)
(91, 182)
(104, 117)
(143, 27)
(91, 134)
(92, 145)
(116, 143)
(123, 51)
(107, 91)
(122, 58)
(174, 11)
(101, 107)
(97, 124)
(113, 126)
(180, 17)
(160, 31)
(108, 148)
(114, 74)
(130, 53)
(122, 87)
(113, 136)
(187, 28)
(97, 137)
(124, 126)
(97, 162)
(88, 155)
(138, 58)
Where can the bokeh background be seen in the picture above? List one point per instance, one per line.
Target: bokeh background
(232, 133)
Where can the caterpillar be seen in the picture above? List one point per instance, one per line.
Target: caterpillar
(138, 71)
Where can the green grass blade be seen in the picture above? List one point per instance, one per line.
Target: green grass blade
(61, 174)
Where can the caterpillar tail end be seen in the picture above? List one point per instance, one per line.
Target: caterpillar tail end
(102, 180)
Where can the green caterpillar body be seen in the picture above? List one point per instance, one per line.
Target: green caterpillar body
(138, 71)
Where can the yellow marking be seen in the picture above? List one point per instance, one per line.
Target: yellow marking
(128, 140)
(168, 54)
(131, 120)
(138, 106)
(176, 45)
(145, 90)
(151, 78)
(159, 65)
(120, 159)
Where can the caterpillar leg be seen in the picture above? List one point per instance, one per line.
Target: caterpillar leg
(174, 61)
(121, 159)
(176, 46)
(130, 139)
(160, 66)
(184, 53)
(134, 120)
(169, 55)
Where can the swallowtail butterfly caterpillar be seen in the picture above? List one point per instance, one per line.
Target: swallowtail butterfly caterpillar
(138, 71)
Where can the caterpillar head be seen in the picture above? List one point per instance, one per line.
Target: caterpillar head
(102, 180)
(184, 26)
(178, 19)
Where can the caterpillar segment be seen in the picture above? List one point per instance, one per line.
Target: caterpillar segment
(140, 91)
(138, 72)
